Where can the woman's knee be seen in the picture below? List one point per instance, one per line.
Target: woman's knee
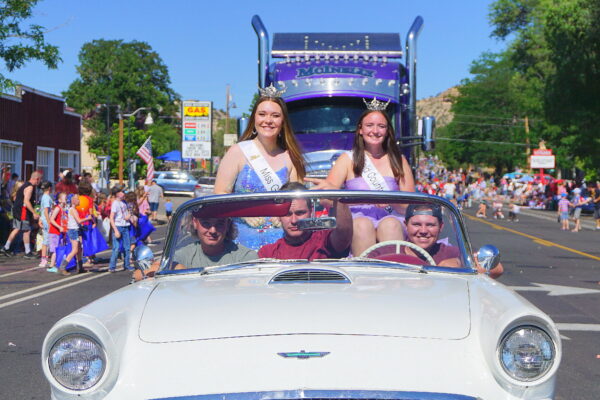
(389, 229)
(363, 227)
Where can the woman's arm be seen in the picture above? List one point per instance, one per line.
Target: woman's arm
(75, 214)
(337, 176)
(228, 170)
(406, 183)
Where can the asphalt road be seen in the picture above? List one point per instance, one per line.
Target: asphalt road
(535, 253)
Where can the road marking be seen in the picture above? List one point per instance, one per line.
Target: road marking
(33, 296)
(554, 290)
(534, 238)
(578, 327)
(20, 271)
(39, 294)
(33, 288)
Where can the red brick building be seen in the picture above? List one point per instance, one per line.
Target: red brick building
(38, 132)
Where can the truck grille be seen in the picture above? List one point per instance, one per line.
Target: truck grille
(310, 276)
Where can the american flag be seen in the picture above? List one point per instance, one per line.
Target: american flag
(145, 153)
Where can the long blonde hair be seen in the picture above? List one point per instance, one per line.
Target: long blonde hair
(286, 141)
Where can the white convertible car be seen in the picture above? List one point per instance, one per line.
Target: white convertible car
(410, 318)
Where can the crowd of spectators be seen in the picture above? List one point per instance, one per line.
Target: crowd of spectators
(494, 195)
(47, 211)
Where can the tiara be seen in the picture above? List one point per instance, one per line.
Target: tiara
(270, 91)
(376, 105)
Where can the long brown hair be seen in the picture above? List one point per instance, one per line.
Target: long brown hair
(389, 146)
(287, 141)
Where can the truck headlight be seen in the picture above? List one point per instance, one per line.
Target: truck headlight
(77, 361)
(526, 353)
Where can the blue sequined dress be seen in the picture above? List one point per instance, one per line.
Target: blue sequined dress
(255, 237)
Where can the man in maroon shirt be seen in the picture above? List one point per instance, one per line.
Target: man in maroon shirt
(309, 245)
(424, 224)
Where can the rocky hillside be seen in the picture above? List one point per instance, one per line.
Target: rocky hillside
(438, 106)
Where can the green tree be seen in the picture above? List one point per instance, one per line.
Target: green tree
(123, 75)
(483, 113)
(19, 44)
(556, 47)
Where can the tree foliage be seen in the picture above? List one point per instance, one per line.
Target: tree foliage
(122, 77)
(121, 74)
(549, 72)
(19, 44)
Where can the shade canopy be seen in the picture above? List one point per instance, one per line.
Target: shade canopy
(174, 155)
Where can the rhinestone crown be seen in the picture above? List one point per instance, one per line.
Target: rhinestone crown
(376, 105)
(270, 91)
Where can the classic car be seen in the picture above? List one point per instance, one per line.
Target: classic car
(384, 324)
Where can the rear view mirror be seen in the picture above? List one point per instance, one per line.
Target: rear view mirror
(428, 133)
(316, 224)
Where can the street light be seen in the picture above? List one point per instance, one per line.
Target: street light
(148, 121)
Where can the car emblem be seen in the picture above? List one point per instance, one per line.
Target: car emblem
(303, 355)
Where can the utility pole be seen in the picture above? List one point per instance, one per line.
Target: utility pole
(226, 111)
(528, 146)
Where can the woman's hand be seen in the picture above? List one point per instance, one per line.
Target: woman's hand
(321, 184)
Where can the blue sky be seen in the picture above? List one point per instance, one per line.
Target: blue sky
(207, 47)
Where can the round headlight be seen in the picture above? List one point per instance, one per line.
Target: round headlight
(526, 353)
(77, 361)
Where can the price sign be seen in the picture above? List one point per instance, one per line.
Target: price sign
(545, 162)
(196, 135)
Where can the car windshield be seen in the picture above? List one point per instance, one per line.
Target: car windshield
(326, 115)
(317, 226)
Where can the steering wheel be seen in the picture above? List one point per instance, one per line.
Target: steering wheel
(399, 243)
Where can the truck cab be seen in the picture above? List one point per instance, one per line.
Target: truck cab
(328, 76)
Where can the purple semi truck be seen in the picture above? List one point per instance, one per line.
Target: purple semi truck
(327, 75)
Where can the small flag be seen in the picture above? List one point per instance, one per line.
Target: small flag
(145, 153)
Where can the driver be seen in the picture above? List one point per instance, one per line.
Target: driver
(297, 244)
(214, 246)
(424, 224)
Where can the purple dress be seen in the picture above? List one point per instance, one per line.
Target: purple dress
(371, 211)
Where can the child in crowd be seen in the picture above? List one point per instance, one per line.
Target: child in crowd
(482, 210)
(513, 212)
(58, 226)
(46, 205)
(74, 234)
(168, 208)
(497, 205)
(563, 211)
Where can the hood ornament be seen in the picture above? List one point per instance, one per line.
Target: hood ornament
(303, 355)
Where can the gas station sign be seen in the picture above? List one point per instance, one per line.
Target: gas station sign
(196, 132)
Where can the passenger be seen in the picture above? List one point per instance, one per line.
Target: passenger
(267, 156)
(375, 163)
(310, 245)
(424, 224)
(214, 246)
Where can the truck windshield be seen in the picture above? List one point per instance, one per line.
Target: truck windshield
(325, 115)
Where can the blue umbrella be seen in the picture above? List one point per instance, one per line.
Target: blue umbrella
(526, 178)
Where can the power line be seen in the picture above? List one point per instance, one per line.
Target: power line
(480, 141)
(483, 124)
(513, 118)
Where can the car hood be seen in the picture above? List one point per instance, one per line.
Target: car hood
(234, 304)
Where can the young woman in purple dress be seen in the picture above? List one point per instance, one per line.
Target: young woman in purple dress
(375, 163)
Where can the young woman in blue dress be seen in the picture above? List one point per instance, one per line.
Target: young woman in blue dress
(266, 157)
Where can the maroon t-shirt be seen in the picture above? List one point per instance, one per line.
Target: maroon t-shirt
(439, 252)
(317, 246)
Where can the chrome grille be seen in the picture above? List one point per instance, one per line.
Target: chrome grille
(310, 276)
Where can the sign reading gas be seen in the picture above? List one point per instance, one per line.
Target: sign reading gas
(196, 111)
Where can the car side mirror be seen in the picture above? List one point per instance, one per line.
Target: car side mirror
(488, 257)
(316, 224)
(428, 134)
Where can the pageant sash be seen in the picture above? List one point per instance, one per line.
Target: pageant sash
(371, 175)
(267, 176)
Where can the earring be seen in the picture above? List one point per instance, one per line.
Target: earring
(254, 133)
